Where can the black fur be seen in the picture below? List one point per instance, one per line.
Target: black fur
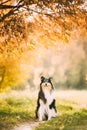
(52, 105)
(40, 96)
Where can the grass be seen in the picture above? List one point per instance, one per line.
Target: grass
(19, 108)
(14, 111)
(77, 120)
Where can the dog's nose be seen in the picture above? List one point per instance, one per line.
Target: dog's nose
(46, 84)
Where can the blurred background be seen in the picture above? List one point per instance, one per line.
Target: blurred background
(66, 64)
(34, 44)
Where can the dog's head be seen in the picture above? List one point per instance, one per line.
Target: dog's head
(46, 83)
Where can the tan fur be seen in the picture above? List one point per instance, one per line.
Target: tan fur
(49, 87)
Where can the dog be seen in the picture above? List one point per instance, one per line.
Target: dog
(46, 108)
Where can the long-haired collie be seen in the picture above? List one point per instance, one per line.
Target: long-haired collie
(46, 108)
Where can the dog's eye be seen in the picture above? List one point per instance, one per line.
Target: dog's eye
(49, 86)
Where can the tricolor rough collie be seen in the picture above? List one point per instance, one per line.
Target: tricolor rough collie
(46, 108)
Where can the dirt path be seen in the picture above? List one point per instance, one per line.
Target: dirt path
(26, 126)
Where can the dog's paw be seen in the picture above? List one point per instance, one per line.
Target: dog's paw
(40, 120)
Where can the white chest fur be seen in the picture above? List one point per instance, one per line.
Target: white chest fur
(49, 96)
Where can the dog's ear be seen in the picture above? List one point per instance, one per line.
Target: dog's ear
(50, 78)
(42, 78)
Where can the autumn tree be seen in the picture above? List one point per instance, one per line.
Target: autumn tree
(13, 14)
(25, 25)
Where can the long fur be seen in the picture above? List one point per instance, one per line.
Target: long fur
(46, 108)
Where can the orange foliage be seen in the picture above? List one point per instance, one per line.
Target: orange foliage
(20, 40)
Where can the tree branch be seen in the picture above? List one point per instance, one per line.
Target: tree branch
(5, 2)
(6, 15)
(9, 6)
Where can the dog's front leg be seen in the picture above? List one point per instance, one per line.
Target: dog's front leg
(41, 111)
(49, 114)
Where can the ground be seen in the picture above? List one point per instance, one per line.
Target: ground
(17, 111)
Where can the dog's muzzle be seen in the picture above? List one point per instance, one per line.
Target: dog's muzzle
(46, 85)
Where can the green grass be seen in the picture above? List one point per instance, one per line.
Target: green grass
(14, 111)
(74, 121)
(70, 117)
(18, 110)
